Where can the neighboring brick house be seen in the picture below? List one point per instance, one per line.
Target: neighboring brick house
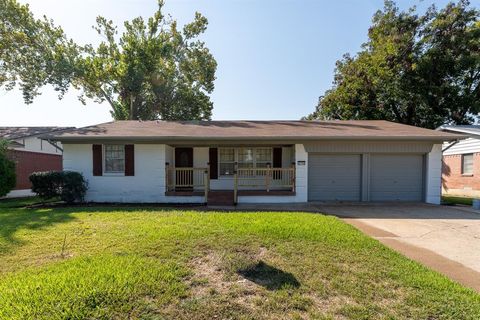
(461, 162)
(31, 154)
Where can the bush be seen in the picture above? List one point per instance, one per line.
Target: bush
(74, 187)
(70, 186)
(8, 177)
(46, 184)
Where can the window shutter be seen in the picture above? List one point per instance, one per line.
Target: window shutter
(277, 163)
(97, 159)
(277, 157)
(213, 161)
(129, 160)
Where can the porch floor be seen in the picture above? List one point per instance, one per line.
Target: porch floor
(182, 193)
(266, 193)
(240, 193)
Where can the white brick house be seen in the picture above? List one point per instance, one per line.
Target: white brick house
(256, 161)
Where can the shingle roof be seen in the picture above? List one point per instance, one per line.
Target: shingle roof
(12, 133)
(469, 129)
(252, 130)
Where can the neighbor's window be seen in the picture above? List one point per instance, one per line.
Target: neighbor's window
(227, 161)
(114, 158)
(467, 164)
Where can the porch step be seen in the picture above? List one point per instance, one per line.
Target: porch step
(220, 198)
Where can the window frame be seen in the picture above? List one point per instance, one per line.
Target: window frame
(229, 162)
(236, 158)
(104, 169)
(463, 164)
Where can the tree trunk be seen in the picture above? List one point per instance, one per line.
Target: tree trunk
(131, 116)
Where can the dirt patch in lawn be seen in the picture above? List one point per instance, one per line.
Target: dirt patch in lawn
(250, 281)
(215, 274)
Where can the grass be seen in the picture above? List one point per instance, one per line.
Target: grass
(449, 200)
(131, 263)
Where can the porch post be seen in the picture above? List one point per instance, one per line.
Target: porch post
(294, 172)
(207, 184)
(235, 187)
(267, 177)
(166, 176)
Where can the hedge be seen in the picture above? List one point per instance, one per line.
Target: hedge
(70, 186)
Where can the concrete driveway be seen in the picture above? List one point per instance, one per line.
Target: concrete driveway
(447, 239)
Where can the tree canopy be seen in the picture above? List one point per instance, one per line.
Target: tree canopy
(152, 70)
(417, 69)
(7, 170)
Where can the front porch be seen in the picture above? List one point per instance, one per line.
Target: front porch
(230, 172)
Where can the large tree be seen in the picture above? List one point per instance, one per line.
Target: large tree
(417, 69)
(152, 70)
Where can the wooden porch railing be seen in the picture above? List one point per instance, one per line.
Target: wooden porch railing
(187, 179)
(264, 179)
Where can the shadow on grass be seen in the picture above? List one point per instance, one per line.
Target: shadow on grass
(269, 277)
(14, 220)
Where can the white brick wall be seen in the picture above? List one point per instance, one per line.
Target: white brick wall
(148, 184)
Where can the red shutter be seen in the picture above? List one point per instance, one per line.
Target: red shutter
(213, 161)
(277, 157)
(129, 160)
(97, 159)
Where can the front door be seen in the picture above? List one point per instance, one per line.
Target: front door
(184, 159)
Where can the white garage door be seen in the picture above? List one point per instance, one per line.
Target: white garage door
(396, 178)
(334, 177)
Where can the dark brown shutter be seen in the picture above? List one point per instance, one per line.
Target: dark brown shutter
(277, 163)
(213, 161)
(129, 160)
(97, 159)
(277, 157)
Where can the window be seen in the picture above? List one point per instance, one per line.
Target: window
(114, 159)
(467, 164)
(227, 161)
(263, 156)
(245, 157)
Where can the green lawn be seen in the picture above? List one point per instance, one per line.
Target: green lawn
(121, 263)
(457, 200)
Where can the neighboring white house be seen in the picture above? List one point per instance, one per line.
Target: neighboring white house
(31, 154)
(461, 162)
(256, 161)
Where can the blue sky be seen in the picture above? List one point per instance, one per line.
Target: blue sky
(275, 57)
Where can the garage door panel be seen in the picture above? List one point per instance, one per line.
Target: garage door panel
(396, 178)
(334, 177)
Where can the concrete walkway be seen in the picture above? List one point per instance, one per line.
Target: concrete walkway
(446, 239)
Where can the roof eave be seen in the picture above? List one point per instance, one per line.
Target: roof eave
(250, 138)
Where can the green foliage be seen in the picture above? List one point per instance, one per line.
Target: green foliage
(46, 184)
(153, 70)
(70, 186)
(421, 70)
(7, 170)
(33, 52)
(74, 187)
(451, 200)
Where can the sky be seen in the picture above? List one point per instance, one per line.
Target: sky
(275, 57)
